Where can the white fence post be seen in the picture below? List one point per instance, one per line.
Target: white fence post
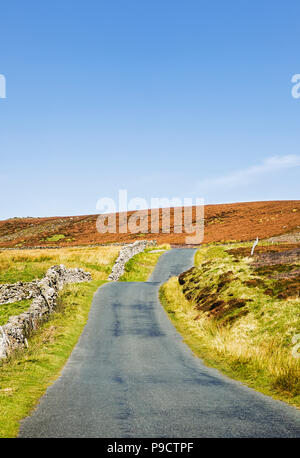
(254, 245)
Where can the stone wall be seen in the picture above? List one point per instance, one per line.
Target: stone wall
(14, 334)
(18, 291)
(125, 254)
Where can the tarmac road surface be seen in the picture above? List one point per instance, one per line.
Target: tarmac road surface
(130, 375)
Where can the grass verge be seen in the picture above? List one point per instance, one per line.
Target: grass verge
(228, 319)
(140, 266)
(14, 308)
(25, 376)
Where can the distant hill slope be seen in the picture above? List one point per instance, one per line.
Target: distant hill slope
(224, 222)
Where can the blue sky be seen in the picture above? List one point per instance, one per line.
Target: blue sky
(163, 98)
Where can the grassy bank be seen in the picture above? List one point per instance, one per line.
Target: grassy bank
(140, 266)
(25, 376)
(240, 315)
(27, 265)
(14, 308)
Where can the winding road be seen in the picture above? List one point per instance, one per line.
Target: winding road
(130, 375)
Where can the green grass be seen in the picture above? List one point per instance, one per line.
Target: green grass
(27, 274)
(28, 265)
(25, 375)
(140, 266)
(55, 238)
(24, 268)
(254, 346)
(15, 308)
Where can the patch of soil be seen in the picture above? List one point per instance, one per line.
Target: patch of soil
(285, 288)
(294, 273)
(207, 299)
(224, 279)
(271, 258)
(279, 272)
(207, 302)
(183, 276)
(254, 283)
(263, 251)
(222, 310)
(291, 237)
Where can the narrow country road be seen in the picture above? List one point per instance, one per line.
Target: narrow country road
(131, 375)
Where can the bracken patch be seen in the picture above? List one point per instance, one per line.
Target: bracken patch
(223, 222)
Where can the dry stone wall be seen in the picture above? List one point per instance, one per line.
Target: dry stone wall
(125, 254)
(14, 333)
(18, 291)
(44, 292)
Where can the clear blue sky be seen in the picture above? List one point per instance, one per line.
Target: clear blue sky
(161, 97)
